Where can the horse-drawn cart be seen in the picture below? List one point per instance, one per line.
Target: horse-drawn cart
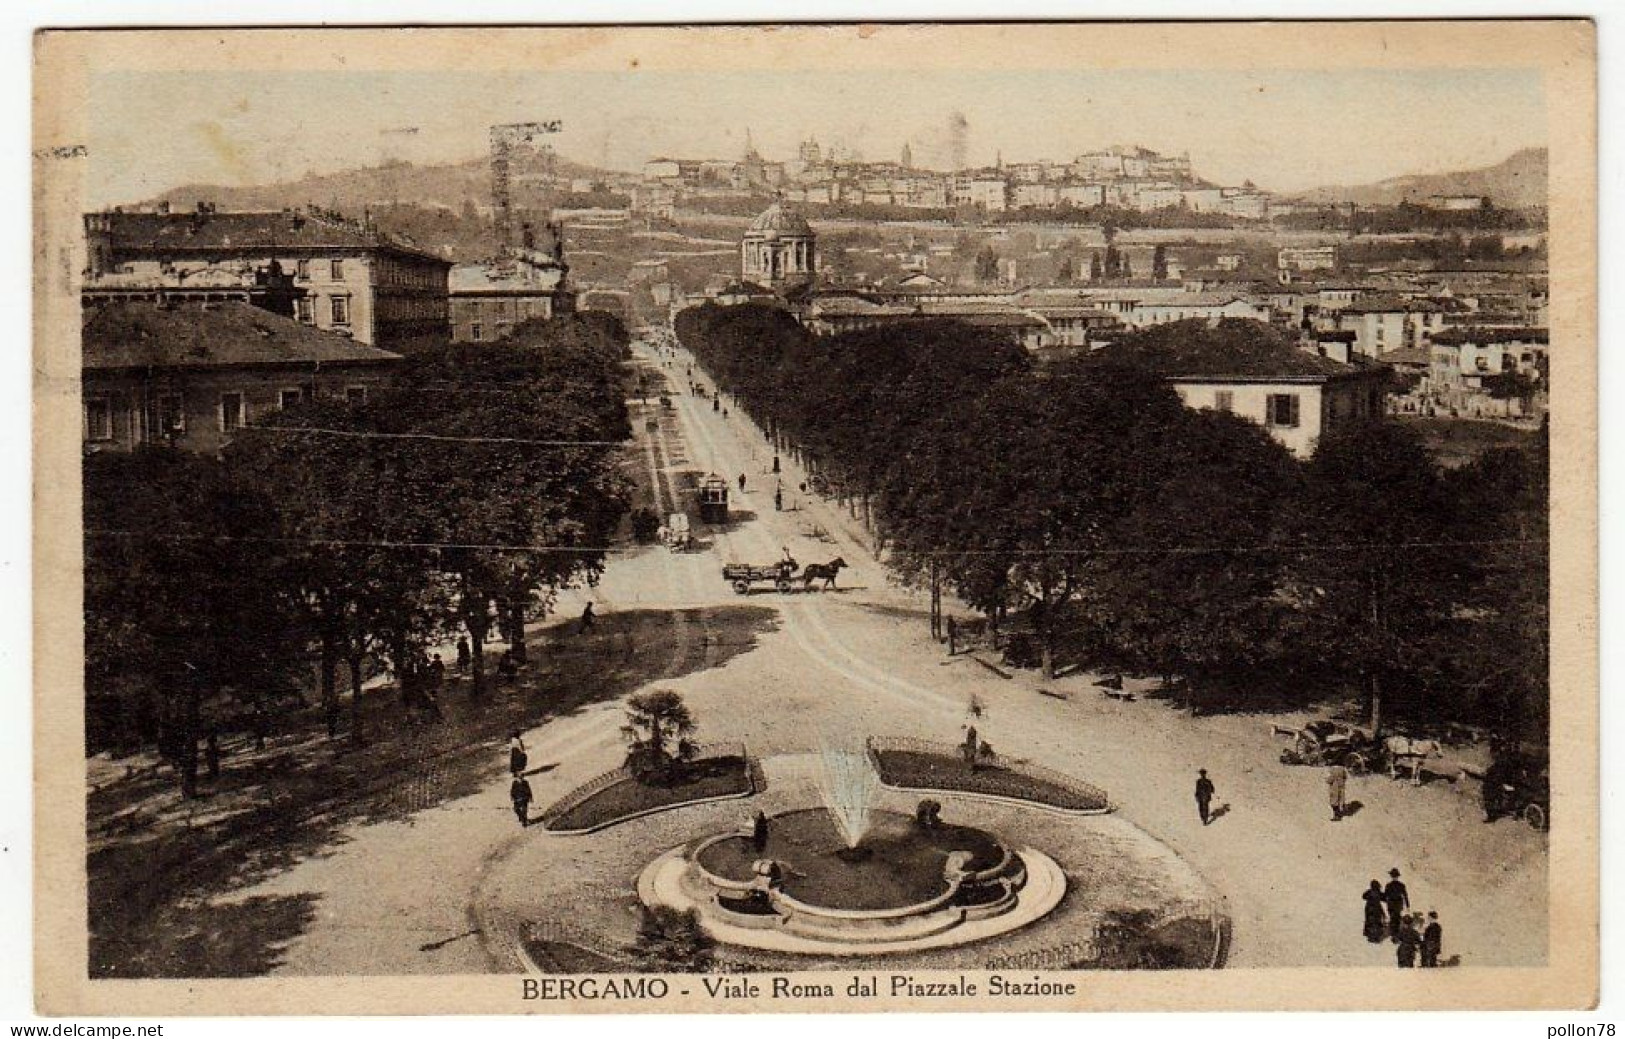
(743, 575)
(1330, 743)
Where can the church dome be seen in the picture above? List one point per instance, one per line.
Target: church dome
(778, 222)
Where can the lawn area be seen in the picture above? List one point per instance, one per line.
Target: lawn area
(917, 769)
(629, 796)
(1456, 442)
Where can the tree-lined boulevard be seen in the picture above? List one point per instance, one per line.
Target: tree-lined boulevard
(784, 672)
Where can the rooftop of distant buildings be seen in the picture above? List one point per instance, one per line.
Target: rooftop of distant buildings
(210, 335)
(207, 229)
(1484, 336)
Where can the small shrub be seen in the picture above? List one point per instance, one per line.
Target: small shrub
(645, 526)
(928, 814)
(673, 940)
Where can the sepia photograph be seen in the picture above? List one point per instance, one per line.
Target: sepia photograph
(816, 518)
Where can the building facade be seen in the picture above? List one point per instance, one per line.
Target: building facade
(489, 299)
(348, 277)
(190, 375)
(779, 248)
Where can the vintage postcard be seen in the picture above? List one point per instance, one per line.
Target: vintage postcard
(826, 518)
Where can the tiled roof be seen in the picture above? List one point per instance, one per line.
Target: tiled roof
(210, 335)
(1482, 336)
(180, 233)
(1389, 303)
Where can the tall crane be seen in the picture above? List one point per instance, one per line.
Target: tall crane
(504, 138)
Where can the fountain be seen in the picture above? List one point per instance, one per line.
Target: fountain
(848, 784)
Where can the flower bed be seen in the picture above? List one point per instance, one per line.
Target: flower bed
(912, 765)
(625, 796)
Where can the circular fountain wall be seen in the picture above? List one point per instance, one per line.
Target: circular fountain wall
(903, 886)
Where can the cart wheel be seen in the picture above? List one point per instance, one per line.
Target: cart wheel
(742, 587)
(782, 584)
(1357, 764)
(1535, 816)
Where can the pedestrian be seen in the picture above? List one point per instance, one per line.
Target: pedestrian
(517, 758)
(1204, 794)
(464, 656)
(953, 636)
(588, 620)
(1337, 778)
(1376, 918)
(968, 749)
(521, 796)
(775, 463)
(778, 500)
(741, 483)
(758, 831)
(506, 666)
(1432, 940)
(1409, 939)
(716, 404)
(437, 671)
(1398, 901)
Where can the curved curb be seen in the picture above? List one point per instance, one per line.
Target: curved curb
(752, 792)
(1014, 802)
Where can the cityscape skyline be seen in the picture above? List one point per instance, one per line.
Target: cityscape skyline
(252, 128)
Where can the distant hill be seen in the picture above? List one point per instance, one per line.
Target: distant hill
(448, 186)
(1517, 182)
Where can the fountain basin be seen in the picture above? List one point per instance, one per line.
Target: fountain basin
(918, 887)
(905, 865)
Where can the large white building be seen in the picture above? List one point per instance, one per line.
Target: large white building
(779, 247)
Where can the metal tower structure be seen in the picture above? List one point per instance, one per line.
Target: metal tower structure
(504, 138)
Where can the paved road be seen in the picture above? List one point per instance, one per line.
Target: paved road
(396, 898)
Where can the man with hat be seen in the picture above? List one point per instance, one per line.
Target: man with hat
(1398, 900)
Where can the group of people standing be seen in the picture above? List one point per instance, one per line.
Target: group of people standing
(1388, 916)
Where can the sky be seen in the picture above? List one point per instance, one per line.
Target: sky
(1286, 130)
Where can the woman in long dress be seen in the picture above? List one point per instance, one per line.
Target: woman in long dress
(1376, 922)
(517, 759)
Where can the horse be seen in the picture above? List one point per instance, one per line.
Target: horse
(1404, 752)
(822, 572)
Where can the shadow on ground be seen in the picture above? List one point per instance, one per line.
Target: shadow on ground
(155, 863)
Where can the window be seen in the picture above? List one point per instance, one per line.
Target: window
(336, 270)
(1281, 410)
(98, 419)
(355, 395)
(290, 398)
(302, 270)
(476, 332)
(1224, 400)
(305, 310)
(232, 417)
(171, 414)
(341, 310)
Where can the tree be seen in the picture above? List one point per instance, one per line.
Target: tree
(987, 265)
(1096, 271)
(657, 731)
(184, 604)
(1159, 263)
(1113, 262)
(1197, 589)
(1381, 564)
(1063, 272)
